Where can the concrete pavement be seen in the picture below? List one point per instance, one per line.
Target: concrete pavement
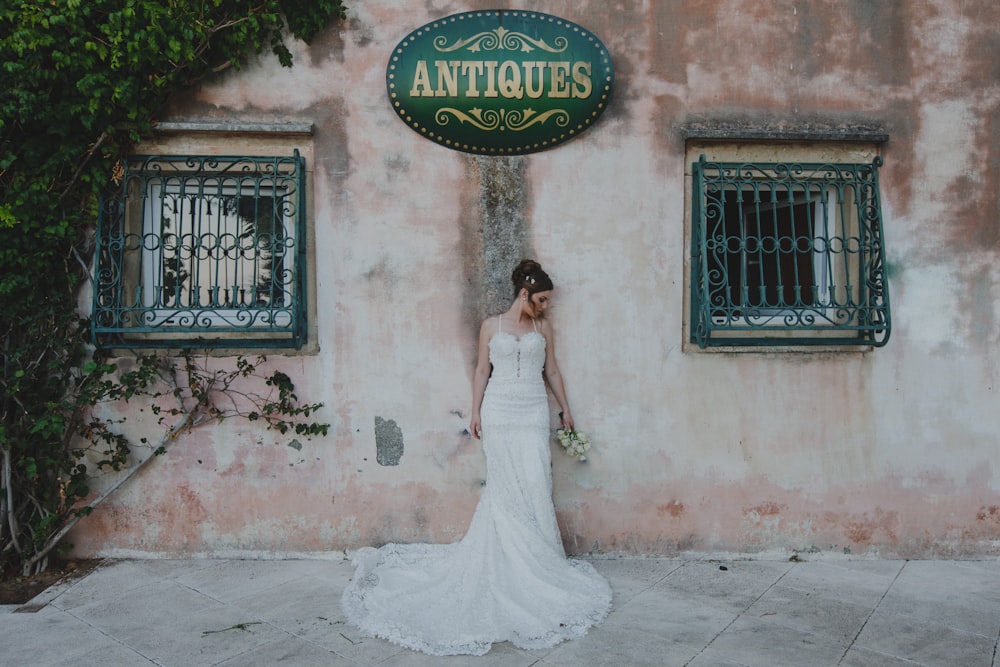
(693, 612)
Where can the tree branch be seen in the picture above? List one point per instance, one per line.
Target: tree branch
(187, 423)
(83, 163)
(11, 518)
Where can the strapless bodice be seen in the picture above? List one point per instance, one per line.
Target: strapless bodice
(516, 358)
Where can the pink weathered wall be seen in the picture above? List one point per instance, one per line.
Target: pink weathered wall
(889, 451)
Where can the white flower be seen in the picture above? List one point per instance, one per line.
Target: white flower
(574, 443)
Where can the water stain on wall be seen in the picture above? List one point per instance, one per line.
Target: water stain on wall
(495, 233)
(674, 508)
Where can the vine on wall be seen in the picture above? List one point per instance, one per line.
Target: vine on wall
(81, 82)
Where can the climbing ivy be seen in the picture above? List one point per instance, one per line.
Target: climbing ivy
(81, 82)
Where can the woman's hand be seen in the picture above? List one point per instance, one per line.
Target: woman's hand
(476, 427)
(567, 420)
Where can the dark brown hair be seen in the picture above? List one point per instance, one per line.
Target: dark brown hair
(529, 275)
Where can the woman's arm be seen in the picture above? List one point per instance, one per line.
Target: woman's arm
(552, 375)
(480, 377)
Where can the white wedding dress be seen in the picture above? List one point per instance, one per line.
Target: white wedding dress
(508, 579)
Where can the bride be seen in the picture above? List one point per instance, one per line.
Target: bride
(508, 579)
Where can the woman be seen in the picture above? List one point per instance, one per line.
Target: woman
(508, 579)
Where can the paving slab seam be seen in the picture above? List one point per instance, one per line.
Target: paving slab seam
(872, 612)
(128, 647)
(740, 614)
(56, 590)
(195, 589)
(317, 644)
(996, 651)
(655, 583)
(286, 634)
(895, 658)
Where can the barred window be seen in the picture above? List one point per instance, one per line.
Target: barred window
(203, 252)
(787, 254)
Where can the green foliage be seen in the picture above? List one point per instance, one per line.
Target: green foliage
(81, 81)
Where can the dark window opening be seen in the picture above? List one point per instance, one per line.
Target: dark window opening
(766, 252)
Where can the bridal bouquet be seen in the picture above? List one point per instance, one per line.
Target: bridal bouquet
(574, 443)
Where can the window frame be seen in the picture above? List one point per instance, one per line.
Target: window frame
(855, 313)
(128, 314)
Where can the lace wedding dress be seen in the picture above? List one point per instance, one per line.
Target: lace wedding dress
(508, 579)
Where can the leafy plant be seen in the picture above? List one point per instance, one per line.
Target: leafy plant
(183, 394)
(81, 82)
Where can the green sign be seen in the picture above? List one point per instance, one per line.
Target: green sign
(499, 82)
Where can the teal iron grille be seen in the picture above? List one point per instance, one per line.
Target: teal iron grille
(787, 254)
(203, 252)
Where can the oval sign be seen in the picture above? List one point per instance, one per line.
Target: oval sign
(499, 82)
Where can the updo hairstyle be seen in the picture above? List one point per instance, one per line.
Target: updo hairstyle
(529, 275)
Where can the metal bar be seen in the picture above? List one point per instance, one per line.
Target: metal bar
(846, 255)
(199, 274)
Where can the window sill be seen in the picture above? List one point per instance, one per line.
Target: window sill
(689, 347)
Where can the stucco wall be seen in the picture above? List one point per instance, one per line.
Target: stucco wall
(889, 451)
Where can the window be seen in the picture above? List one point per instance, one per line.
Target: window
(787, 254)
(203, 252)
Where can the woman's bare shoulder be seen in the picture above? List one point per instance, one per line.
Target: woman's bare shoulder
(489, 326)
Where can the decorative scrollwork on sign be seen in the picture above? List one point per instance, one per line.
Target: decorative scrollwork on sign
(484, 120)
(502, 119)
(500, 38)
(517, 120)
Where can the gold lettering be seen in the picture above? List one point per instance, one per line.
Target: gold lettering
(529, 78)
(559, 70)
(491, 78)
(509, 80)
(447, 78)
(421, 81)
(472, 70)
(581, 77)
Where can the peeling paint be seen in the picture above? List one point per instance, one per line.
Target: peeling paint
(388, 442)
